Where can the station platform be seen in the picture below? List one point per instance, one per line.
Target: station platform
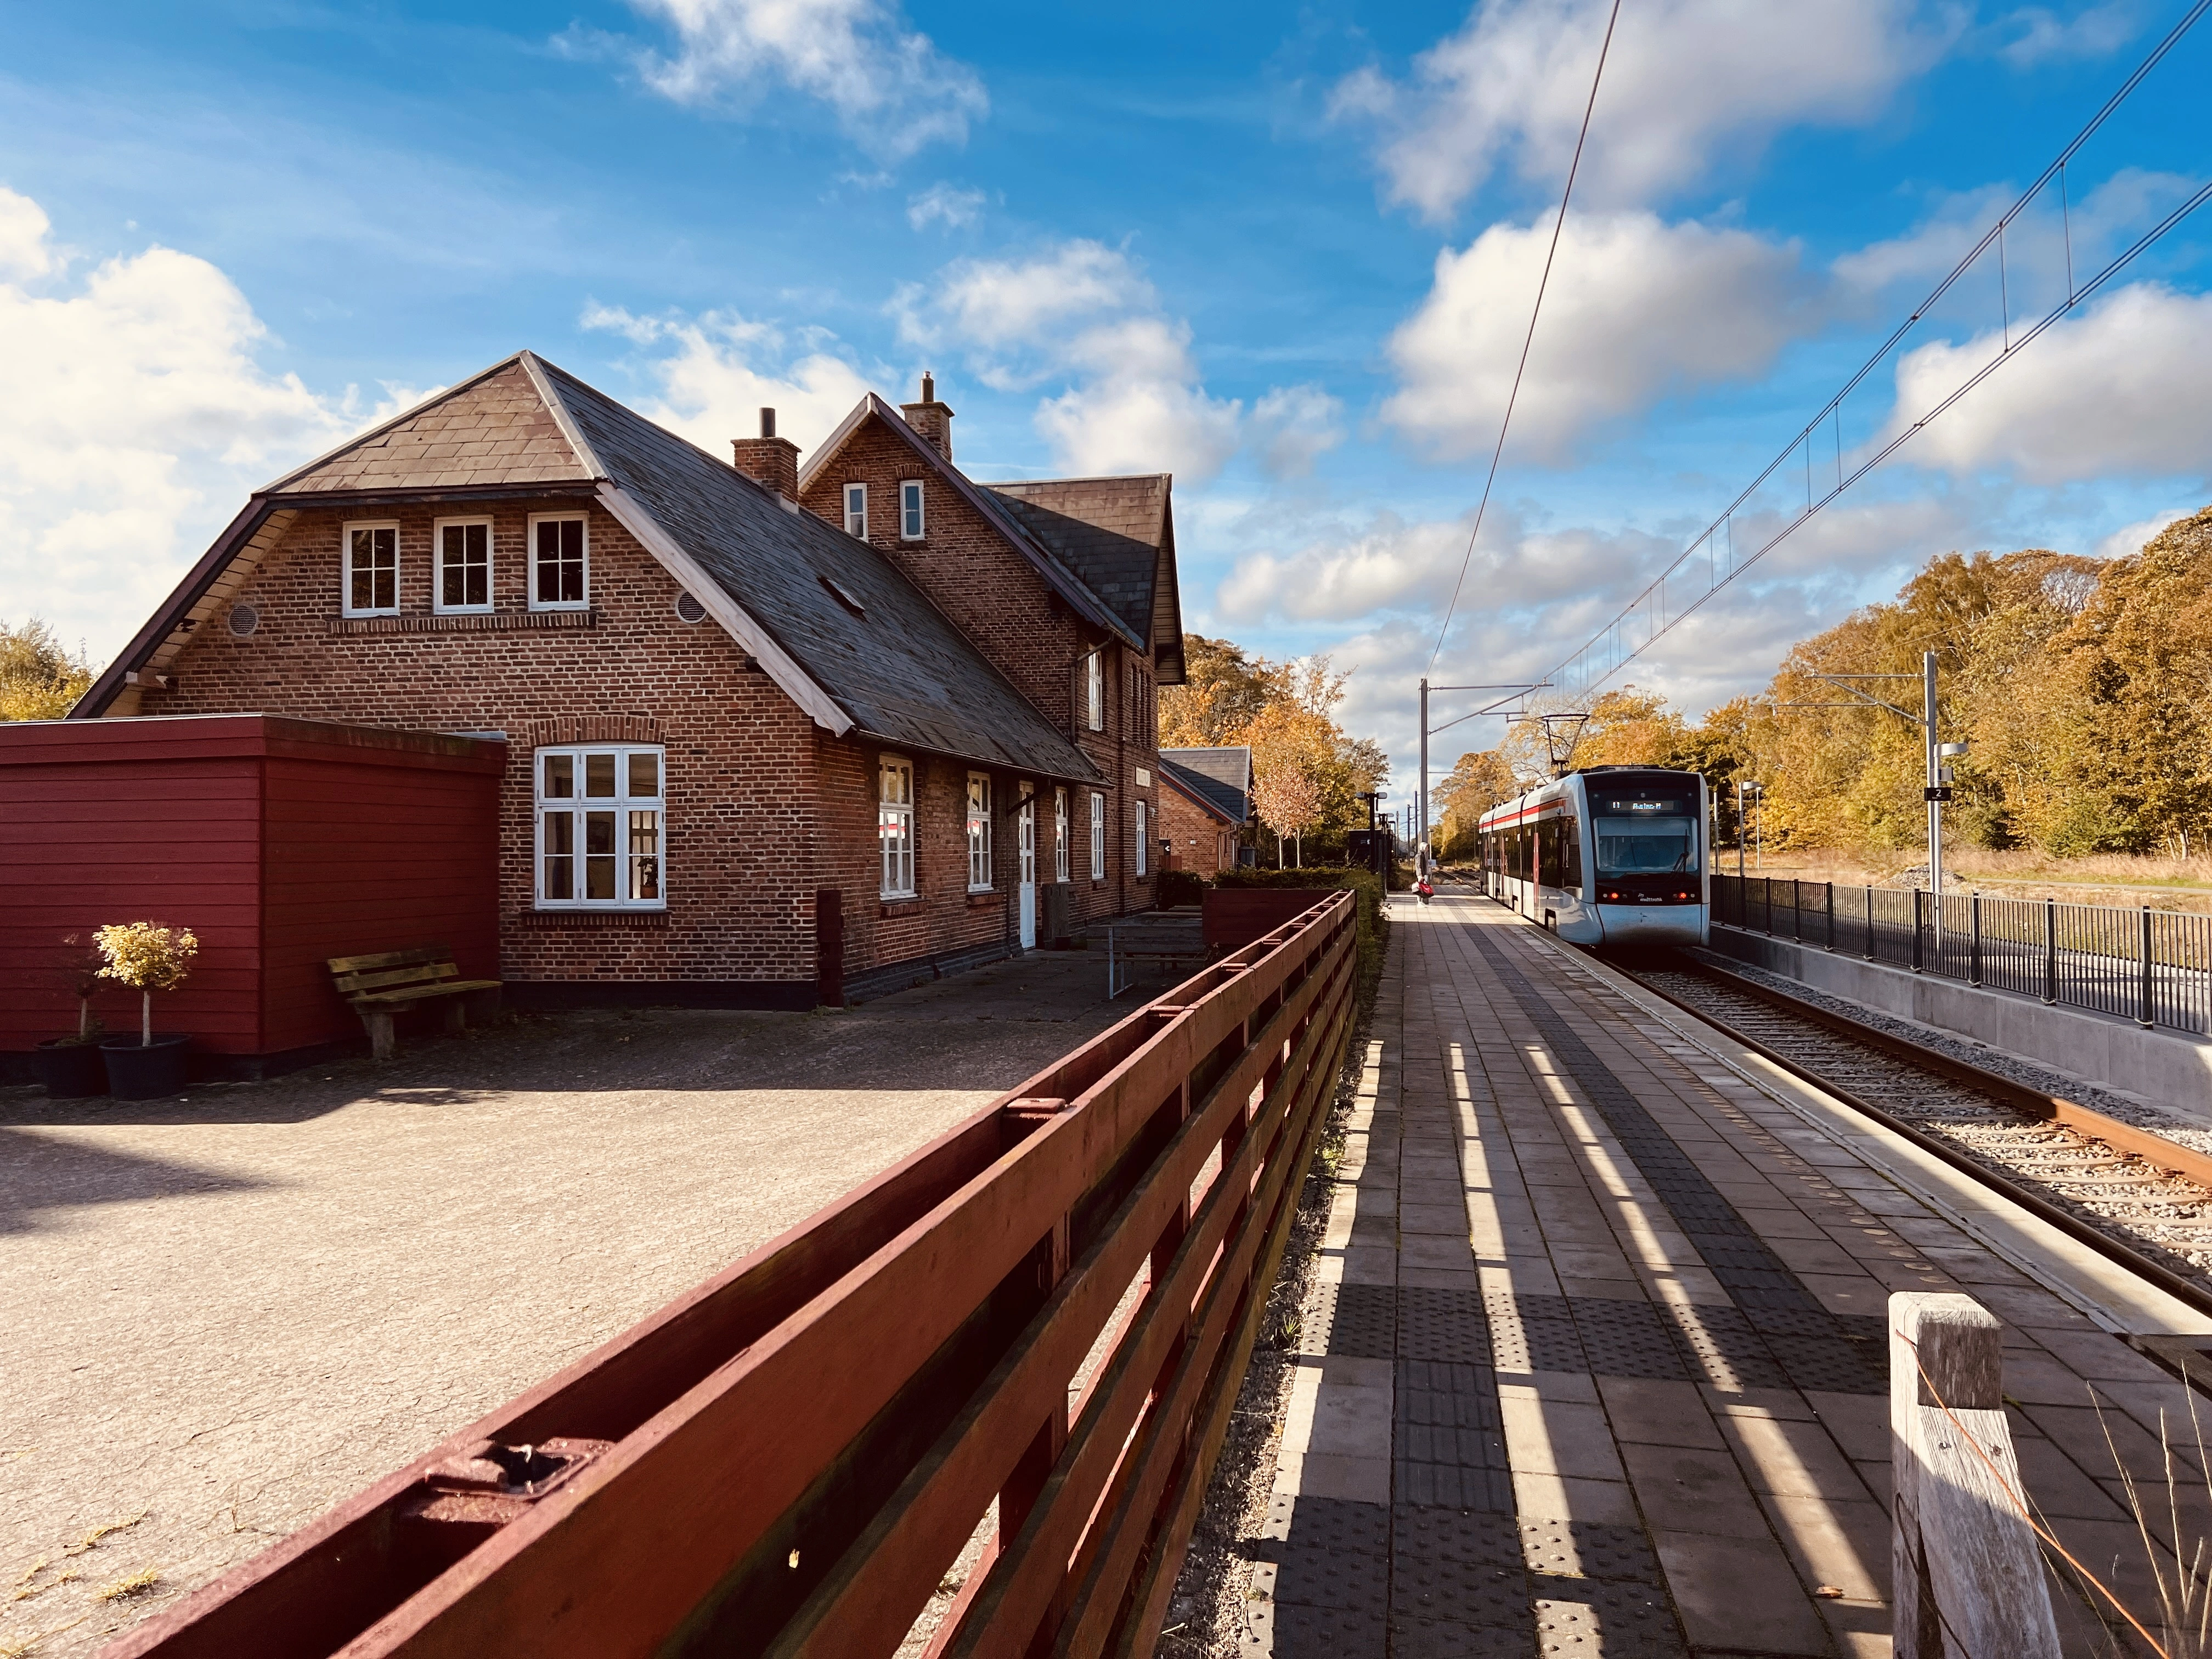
(1598, 1363)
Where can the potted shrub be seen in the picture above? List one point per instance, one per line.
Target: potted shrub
(148, 958)
(71, 1066)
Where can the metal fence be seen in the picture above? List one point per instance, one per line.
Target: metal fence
(1047, 1309)
(2153, 966)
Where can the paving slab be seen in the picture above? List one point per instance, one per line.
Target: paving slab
(1638, 1402)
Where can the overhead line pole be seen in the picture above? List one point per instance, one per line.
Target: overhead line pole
(1519, 688)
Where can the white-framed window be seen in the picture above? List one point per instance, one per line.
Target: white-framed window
(856, 510)
(371, 569)
(560, 561)
(979, 832)
(463, 581)
(1059, 828)
(1094, 691)
(911, 524)
(1098, 836)
(602, 825)
(895, 825)
(1143, 851)
(1025, 836)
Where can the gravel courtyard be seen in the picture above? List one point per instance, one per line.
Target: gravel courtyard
(224, 1314)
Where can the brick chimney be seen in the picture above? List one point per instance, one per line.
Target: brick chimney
(768, 460)
(930, 418)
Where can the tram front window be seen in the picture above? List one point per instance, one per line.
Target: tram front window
(1655, 846)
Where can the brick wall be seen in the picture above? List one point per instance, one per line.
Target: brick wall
(763, 805)
(1202, 843)
(995, 596)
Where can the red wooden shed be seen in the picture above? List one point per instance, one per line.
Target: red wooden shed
(279, 843)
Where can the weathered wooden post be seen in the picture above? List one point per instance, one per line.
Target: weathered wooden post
(1967, 1581)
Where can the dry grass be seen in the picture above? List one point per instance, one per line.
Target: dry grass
(137, 1584)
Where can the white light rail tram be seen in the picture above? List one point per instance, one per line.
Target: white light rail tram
(1607, 855)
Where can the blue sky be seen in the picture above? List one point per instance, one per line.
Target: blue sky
(1286, 254)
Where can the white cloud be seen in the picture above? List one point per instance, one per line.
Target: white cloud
(133, 418)
(1685, 80)
(2045, 37)
(893, 90)
(25, 250)
(1083, 315)
(944, 204)
(1390, 565)
(717, 371)
(1293, 427)
(2123, 388)
(1637, 309)
(2129, 539)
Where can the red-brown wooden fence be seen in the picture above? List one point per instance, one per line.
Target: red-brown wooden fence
(789, 1459)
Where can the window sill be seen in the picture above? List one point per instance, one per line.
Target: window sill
(470, 622)
(981, 898)
(899, 907)
(535, 919)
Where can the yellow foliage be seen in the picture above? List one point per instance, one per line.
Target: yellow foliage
(146, 956)
(39, 678)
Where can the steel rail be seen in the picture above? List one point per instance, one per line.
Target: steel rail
(789, 1458)
(2083, 1120)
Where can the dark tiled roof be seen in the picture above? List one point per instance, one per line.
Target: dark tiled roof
(1109, 531)
(495, 429)
(1227, 798)
(901, 669)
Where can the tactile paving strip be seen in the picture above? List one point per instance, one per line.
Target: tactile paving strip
(1329, 1523)
(1589, 1549)
(1628, 1339)
(1752, 1274)
(1448, 1446)
(1412, 1638)
(1290, 1630)
(1438, 1323)
(1359, 1321)
(1459, 1591)
(1532, 1333)
(1481, 1538)
(1588, 1617)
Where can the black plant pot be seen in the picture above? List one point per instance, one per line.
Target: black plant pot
(72, 1070)
(139, 1073)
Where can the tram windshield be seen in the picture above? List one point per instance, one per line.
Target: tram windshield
(1654, 846)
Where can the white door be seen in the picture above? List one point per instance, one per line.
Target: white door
(1025, 836)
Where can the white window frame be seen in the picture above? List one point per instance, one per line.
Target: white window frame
(577, 806)
(346, 606)
(979, 832)
(1025, 837)
(438, 529)
(1144, 857)
(1098, 836)
(894, 826)
(530, 561)
(1093, 690)
(856, 510)
(1061, 822)
(914, 520)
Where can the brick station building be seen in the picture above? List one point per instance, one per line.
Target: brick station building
(1205, 801)
(727, 690)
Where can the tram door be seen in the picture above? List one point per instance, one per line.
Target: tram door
(1025, 838)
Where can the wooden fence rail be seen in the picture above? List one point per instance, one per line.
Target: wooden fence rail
(1967, 1577)
(789, 1459)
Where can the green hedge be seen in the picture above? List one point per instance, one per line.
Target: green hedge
(1180, 887)
(1366, 883)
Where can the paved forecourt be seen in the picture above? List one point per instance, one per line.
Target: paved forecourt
(1600, 1363)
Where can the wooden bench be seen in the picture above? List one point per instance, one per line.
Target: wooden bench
(379, 987)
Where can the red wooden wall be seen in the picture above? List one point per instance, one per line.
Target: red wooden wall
(279, 843)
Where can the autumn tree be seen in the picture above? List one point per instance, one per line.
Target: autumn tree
(40, 679)
(1479, 781)
(1289, 803)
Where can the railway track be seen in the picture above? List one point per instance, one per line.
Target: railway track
(2141, 1199)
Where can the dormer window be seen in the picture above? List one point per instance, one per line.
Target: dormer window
(372, 570)
(910, 517)
(856, 511)
(560, 563)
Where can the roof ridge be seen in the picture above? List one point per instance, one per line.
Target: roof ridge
(1091, 478)
(537, 367)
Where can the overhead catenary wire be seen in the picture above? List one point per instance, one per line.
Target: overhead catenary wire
(1724, 526)
(1505, 423)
